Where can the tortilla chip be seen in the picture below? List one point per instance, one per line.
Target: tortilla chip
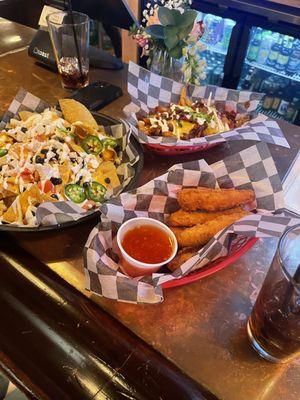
(81, 131)
(75, 147)
(73, 111)
(17, 210)
(4, 138)
(13, 123)
(19, 151)
(106, 174)
(24, 115)
(109, 155)
(65, 172)
(9, 200)
(3, 208)
(3, 160)
(101, 129)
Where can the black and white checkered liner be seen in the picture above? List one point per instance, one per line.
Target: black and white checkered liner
(147, 90)
(57, 213)
(252, 168)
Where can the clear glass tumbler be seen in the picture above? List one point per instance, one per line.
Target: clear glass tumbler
(69, 34)
(274, 324)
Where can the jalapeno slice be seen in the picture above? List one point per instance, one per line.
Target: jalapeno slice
(96, 191)
(75, 193)
(92, 145)
(3, 152)
(109, 142)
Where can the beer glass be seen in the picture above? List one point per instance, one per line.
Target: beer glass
(69, 33)
(274, 324)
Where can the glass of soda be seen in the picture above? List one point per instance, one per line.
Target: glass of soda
(274, 324)
(69, 33)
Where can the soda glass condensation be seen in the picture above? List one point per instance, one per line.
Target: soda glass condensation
(274, 324)
(69, 33)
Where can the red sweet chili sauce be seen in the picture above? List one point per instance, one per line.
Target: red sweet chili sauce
(147, 244)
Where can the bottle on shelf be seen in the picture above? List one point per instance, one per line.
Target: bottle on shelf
(274, 52)
(268, 99)
(277, 99)
(228, 27)
(284, 102)
(254, 45)
(292, 109)
(207, 21)
(284, 54)
(257, 79)
(213, 29)
(265, 47)
(293, 64)
(247, 81)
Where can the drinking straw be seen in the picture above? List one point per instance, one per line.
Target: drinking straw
(290, 290)
(75, 38)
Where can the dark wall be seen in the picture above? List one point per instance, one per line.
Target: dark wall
(26, 12)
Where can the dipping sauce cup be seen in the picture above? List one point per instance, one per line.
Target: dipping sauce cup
(145, 245)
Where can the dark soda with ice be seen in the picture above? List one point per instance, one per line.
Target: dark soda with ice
(275, 320)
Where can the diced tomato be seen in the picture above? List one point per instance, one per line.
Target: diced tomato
(41, 138)
(27, 175)
(47, 187)
(89, 205)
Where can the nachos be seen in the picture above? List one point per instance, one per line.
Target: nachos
(189, 119)
(52, 157)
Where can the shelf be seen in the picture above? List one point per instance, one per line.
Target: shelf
(271, 113)
(295, 77)
(215, 49)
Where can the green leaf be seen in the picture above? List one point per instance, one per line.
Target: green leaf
(167, 16)
(156, 31)
(184, 31)
(187, 18)
(176, 52)
(171, 36)
(171, 41)
(133, 29)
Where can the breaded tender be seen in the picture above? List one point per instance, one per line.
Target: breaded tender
(213, 199)
(176, 231)
(182, 256)
(191, 218)
(200, 234)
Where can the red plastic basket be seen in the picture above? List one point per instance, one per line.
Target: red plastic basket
(177, 150)
(240, 249)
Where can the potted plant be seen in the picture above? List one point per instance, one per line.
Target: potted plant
(170, 38)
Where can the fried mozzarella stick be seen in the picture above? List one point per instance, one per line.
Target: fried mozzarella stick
(213, 199)
(182, 256)
(191, 218)
(200, 234)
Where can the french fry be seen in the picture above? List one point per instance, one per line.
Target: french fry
(184, 100)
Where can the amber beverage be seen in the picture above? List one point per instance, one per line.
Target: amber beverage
(274, 324)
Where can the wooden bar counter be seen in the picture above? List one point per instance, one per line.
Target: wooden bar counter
(201, 327)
